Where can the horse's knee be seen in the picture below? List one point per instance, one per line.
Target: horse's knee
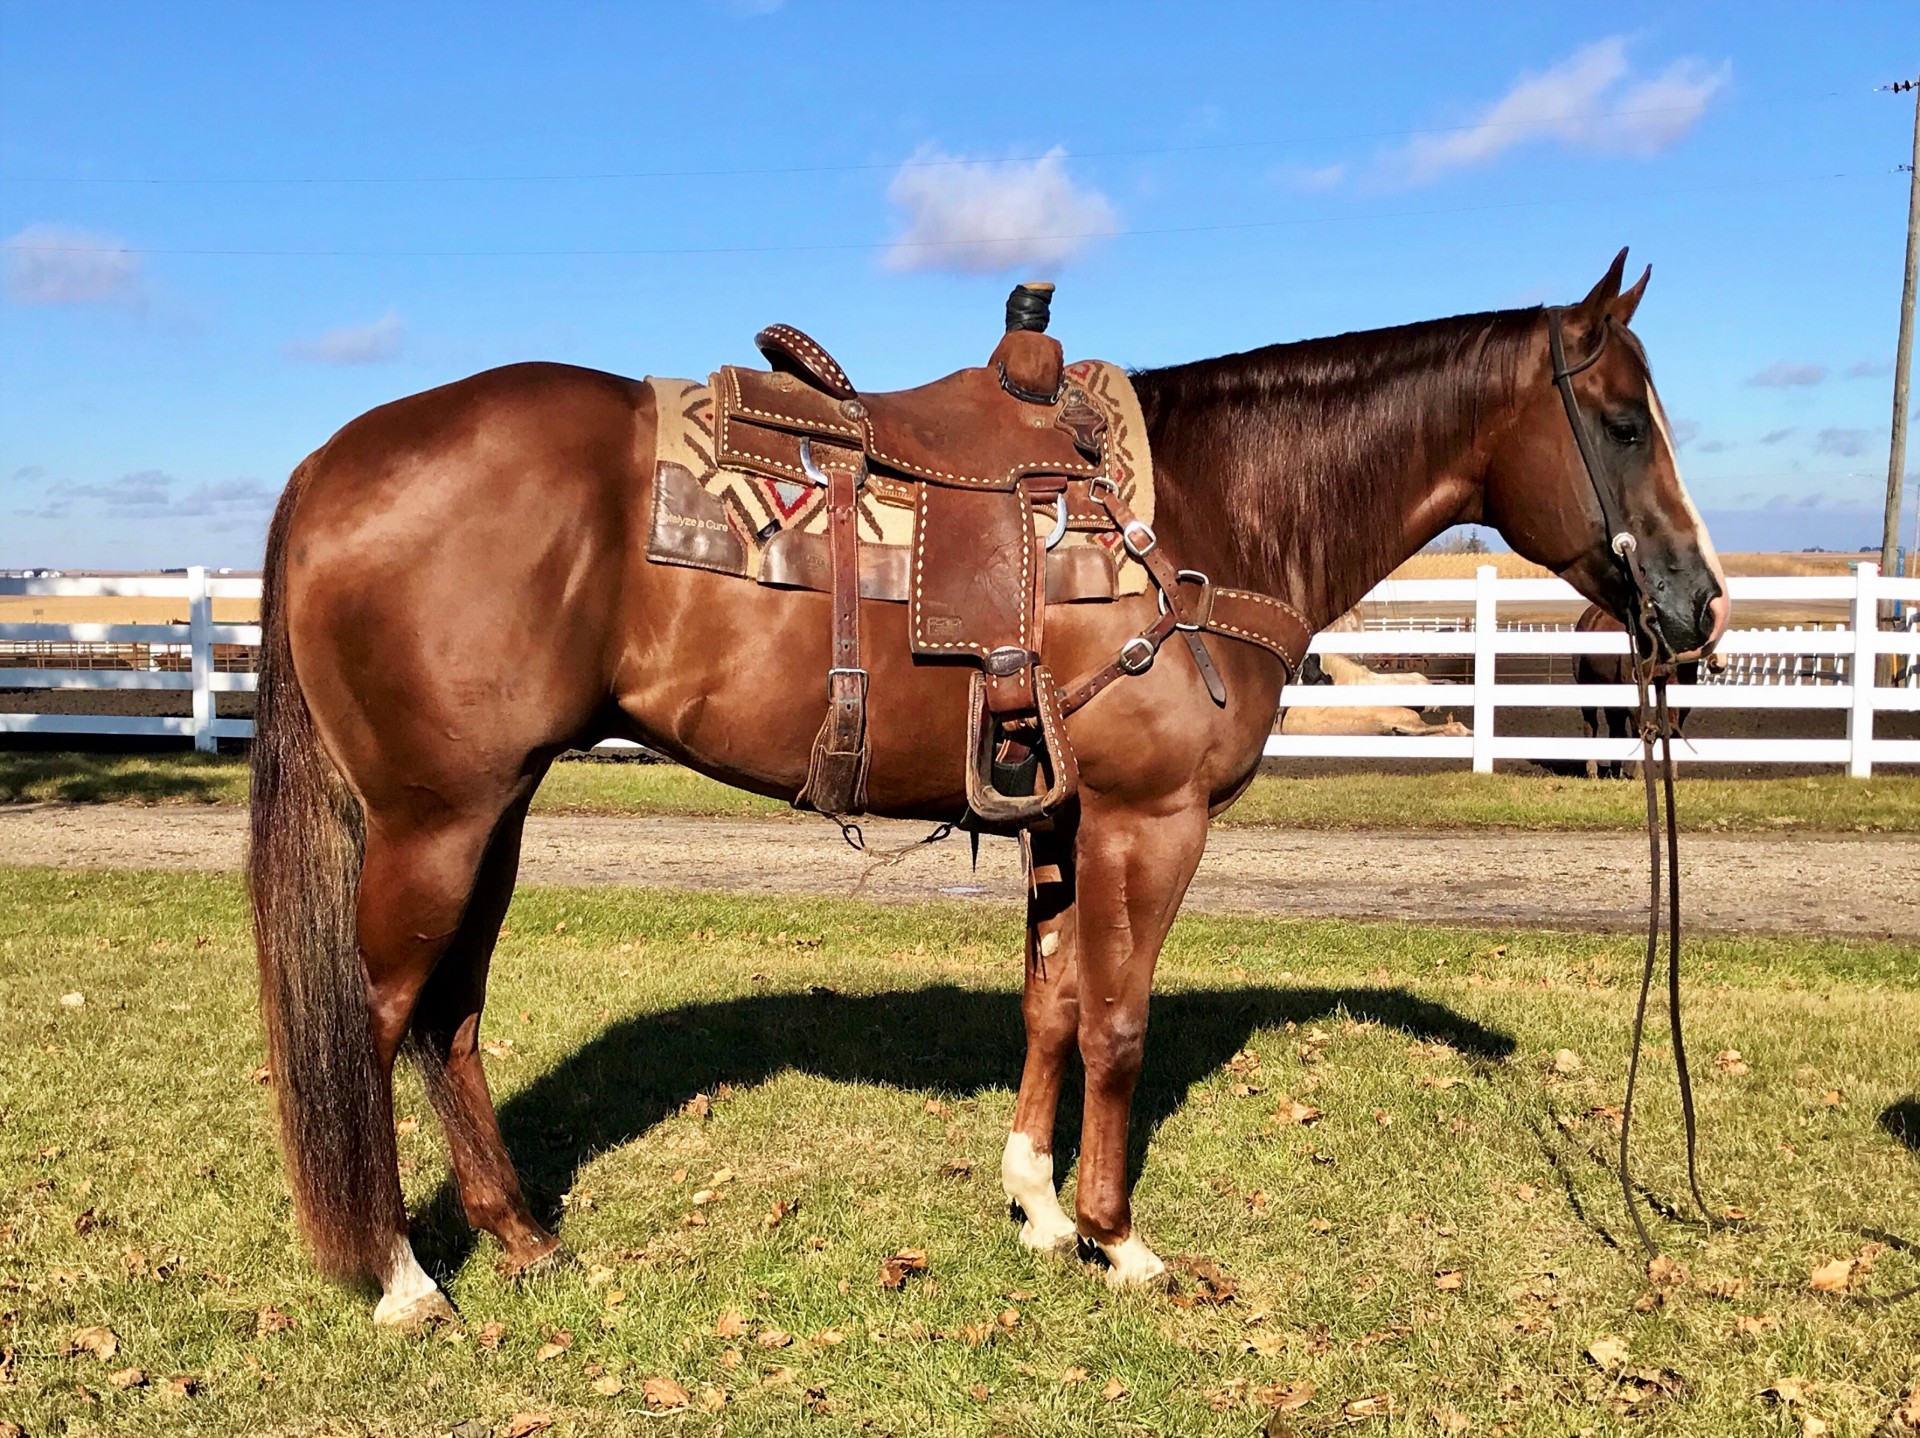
(1113, 1046)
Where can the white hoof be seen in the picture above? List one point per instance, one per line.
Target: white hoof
(412, 1302)
(414, 1315)
(1026, 1175)
(1131, 1263)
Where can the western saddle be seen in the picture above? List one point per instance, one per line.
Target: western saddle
(976, 454)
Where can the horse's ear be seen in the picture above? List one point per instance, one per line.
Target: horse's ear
(1622, 309)
(1607, 291)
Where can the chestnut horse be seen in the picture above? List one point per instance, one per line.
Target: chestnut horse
(457, 591)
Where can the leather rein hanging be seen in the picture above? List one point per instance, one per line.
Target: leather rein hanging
(1654, 663)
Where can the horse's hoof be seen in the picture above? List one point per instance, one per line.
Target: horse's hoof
(415, 1316)
(1131, 1264)
(548, 1261)
(1043, 1232)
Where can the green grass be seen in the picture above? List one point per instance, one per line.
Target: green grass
(853, 1055)
(1444, 800)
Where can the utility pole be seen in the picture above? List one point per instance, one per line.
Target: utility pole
(1903, 358)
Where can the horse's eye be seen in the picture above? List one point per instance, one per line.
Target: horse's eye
(1624, 432)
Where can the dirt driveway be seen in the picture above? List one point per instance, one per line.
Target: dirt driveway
(1855, 885)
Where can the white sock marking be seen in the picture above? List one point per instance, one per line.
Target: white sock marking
(1131, 1262)
(1027, 1176)
(406, 1283)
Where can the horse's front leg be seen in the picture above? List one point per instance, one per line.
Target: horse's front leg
(1133, 866)
(1051, 1008)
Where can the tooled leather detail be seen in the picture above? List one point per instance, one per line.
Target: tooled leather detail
(690, 526)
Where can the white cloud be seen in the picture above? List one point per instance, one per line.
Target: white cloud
(60, 265)
(1785, 375)
(1869, 369)
(152, 494)
(1776, 436)
(1846, 443)
(1589, 101)
(354, 344)
(981, 216)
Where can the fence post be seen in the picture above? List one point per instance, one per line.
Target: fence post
(1485, 631)
(1863, 670)
(200, 635)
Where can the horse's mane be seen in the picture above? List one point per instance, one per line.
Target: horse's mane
(1297, 441)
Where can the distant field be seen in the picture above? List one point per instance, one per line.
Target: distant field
(1450, 800)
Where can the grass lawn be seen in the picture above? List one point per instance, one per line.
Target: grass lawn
(1441, 800)
(1437, 1248)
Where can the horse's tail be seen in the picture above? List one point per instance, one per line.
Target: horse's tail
(303, 868)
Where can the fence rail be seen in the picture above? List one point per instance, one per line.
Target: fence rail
(207, 659)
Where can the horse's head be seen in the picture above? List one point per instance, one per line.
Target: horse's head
(1591, 487)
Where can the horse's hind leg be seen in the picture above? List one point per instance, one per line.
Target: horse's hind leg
(414, 885)
(1051, 1008)
(445, 1043)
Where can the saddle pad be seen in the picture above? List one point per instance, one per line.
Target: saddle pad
(711, 517)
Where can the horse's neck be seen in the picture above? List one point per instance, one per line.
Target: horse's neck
(1242, 508)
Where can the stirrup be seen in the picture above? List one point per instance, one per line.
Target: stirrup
(998, 812)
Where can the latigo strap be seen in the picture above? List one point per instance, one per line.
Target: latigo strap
(837, 770)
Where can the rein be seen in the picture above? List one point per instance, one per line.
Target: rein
(1654, 663)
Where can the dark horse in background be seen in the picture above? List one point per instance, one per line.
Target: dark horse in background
(457, 591)
(1618, 669)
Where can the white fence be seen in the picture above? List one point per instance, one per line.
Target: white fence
(182, 657)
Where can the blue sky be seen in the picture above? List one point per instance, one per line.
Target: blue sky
(227, 229)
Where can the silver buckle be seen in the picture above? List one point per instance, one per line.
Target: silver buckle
(1137, 654)
(864, 678)
(1191, 576)
(1139, 551)
(819, 475)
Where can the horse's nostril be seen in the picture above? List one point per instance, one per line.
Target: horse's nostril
(1715, 609)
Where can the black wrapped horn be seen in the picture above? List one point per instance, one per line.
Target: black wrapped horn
(1029, 307)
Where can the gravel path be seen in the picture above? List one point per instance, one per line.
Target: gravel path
(1733, 883)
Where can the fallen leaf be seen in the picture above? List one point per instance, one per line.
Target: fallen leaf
(979, 1393)
(1009, 1318)
(101, 1343)
(128, 1378)
(1636, 1392)
(1526, 1193)
(731, 1323)
(1729, 1061)
(774, 1338)
(557, 1343)
(492, 1335)
(704, 1196)
(1609, 1352)
(1665, 1272)
(1285, 1397)
(1833, 1098)
(777, 1211)
(1566, 1061)
(732, 1358)
(1783, 1392)
(894, 1270)
(73, 1000)
(1440, 1081)
(1755, 1324)
(828, 1338)
(263, 1074)
(776, 1376)
(183, 1385)
(606, 1385)
(699, 1106)
(1320, 1225)
(525, 1425)
(498, 1049)
(1906, 1418)
(712, 1399)
(409, 1124)
(1374, 1405)
(660, 1394)
(1213, 1285)
(1113, 1390)
(1075, 1375)
(1449, 1420)
(957, 1168)
(1724, 1288)
(1291, 1110)
(1448, 1280)
(1834, 1276)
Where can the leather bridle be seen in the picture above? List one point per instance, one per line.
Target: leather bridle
(1654, 663)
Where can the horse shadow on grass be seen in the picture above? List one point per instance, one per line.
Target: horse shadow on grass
(1901, 1119)
(947, 1041)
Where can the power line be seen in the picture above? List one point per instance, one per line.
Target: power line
(621, 252)
(1539, 122)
